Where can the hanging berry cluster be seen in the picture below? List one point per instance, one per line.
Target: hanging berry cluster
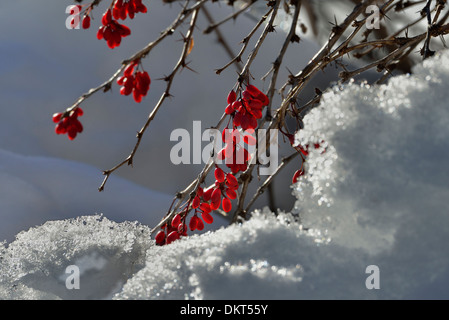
(111, 30)
(134, 81)
(244, 110)
(68, 124)
(205, 201)
(124, 8)
(248, 108)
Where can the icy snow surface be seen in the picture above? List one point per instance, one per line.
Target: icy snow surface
(378, 195)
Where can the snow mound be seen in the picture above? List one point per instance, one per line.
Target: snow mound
(375, 193)
(107, 253)
(266, 257)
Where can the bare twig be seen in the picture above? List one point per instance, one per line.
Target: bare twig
(234, 16)
(245, 42)
(277, 63)
(169, 79)
(220, 37)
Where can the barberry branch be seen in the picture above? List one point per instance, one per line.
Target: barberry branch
(183, 14)
(269, 180)
(245, 41)
(169, 79)
(291, 37)
(244, 74)
(215, 25)
(220, 36)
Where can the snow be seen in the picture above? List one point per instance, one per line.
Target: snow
(376, 196)
(106, 253)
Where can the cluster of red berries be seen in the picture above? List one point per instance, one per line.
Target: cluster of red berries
(68, 124)
(234, 153)
(134, 81)
(205, 201)
(172, 231)
(248, 108)
(124, 8)
(244, 112)
(111, 30)
(221, 193)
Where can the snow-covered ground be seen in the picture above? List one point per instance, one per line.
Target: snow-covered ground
(377, 196)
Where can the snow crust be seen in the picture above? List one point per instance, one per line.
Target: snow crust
(107, 254)
(377, 196)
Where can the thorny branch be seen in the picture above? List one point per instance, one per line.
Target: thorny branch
(169, 79)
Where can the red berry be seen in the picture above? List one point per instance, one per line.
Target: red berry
(75, 9)
(215, 199)
(196, 202)
(249, 140)
(182, 230)
(226, 204)
(205, 207)
(219, 175)
(199, 224)
(231, 194)
(129, 69)
(297, 174)
(193, 223)
(160, 237)
(304, 151)
(172, 236)
(100, 33)
(237, 105)
(231, 181)
(207, 218)
(232, 96)
(256, 93)
(57, 117)
(86, 22)
(176, 221)
(107, 17)
(207, 194)
(137, 96)
(229, 109)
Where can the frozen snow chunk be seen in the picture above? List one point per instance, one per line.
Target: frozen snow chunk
(259, 259)
(89, 257)
(385, 161)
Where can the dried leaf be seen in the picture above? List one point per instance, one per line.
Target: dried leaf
(191, 45)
